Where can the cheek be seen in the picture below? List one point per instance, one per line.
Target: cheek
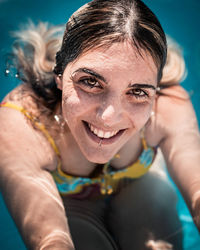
(140, 115)
(74, 104)
(71, 107)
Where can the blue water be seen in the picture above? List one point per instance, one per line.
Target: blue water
(180, 19)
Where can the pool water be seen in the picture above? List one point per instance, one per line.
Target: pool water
(180, 19)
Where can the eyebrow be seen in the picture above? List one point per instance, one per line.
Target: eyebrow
(142, 85)
(92, 73)
(100, 77)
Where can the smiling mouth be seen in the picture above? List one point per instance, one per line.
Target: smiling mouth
(100, 136)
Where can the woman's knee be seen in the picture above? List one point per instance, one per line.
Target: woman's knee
(143, 208)
(89, 234)
(150, 192)
(86, 223)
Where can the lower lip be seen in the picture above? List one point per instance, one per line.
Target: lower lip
(99, 140)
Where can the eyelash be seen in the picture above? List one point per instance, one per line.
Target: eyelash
(143, 95)
(85, 82)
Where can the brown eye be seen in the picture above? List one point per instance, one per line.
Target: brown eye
(139, 93)
(90, 82)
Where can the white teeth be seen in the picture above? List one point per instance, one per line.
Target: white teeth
(107, 135)
(95, 131)
(101, 133)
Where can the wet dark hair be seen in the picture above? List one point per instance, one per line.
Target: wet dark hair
(102, 23)
(98, 23)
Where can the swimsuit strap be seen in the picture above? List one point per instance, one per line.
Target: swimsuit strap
(144, 143)
(109, 178)
(39, 125)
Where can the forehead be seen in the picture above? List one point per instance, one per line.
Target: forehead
(120, 58)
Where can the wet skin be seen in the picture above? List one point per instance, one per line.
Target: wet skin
(108, 94)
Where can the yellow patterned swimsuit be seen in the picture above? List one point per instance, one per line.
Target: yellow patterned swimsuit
(107, 180)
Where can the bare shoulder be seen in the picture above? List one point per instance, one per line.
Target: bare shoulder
(173, 113)
(175, 110)
(23, 96)
(20, 141)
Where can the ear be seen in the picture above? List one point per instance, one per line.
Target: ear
(58, 80)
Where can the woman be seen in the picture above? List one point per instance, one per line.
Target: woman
(75, 160)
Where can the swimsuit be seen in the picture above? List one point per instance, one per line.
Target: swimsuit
(107, 180)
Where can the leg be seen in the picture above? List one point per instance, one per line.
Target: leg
(86, 222)
(145, 209)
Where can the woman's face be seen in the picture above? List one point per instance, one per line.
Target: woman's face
(108, 95)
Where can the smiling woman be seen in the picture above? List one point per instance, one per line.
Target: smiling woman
(91, 120)
(119, 102)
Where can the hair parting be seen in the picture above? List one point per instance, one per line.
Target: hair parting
(40, 52)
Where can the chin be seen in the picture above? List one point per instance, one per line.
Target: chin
(98, 157)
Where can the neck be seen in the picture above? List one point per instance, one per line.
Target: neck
(129, 153)
(73, 161)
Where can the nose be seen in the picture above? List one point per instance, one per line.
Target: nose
(110, 114)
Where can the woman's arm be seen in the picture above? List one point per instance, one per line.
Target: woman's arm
(181, 146)
(27, 186)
